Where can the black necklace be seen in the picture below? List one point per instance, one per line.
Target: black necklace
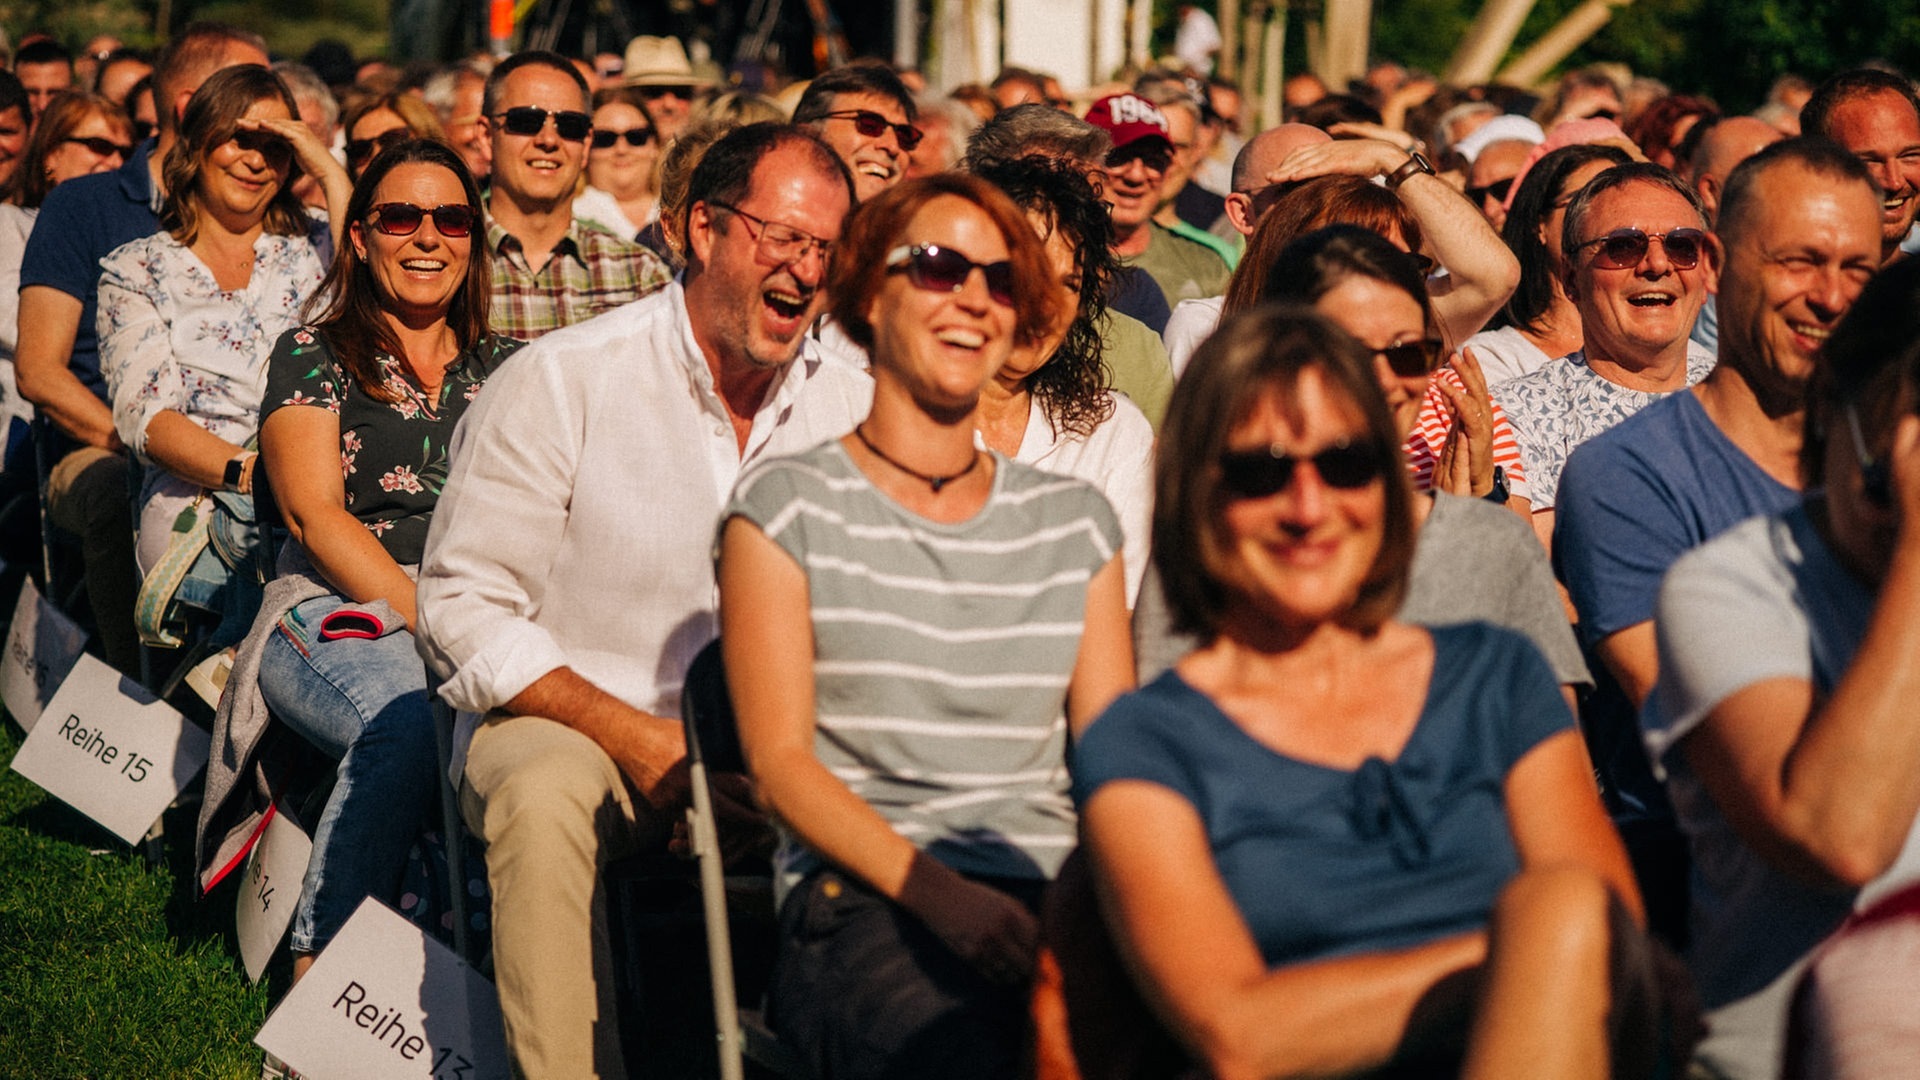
(934, 482)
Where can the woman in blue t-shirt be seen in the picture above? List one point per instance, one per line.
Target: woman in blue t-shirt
(1323, 827)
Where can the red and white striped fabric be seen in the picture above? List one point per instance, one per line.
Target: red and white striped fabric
(1429, 437)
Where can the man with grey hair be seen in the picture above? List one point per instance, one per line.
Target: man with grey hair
(1039, 130)
(456, 93)
(945, 126)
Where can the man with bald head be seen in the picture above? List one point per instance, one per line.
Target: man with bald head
(1252, 195)
(1491, 177)
(58, 359)
(1724, 146)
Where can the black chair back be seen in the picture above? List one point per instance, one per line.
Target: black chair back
(706, 711)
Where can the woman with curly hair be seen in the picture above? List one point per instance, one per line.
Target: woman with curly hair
(1051, 405)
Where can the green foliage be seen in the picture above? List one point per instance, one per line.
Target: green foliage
(108, 967)
(289, 30)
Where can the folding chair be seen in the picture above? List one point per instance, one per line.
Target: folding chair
(713, 746)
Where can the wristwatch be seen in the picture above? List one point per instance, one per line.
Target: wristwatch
(237, 472)
(1416, 164)
(1500, 492)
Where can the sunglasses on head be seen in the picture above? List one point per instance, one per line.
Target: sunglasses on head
(530, 120)
(1413, 358)
(1156, 156)
(360, 151)
(1498, 190)
(103, 147)
(1255, 474)
(604, 139)
(937, 269)
(1623, 249)
(872, 125)
(453, 220)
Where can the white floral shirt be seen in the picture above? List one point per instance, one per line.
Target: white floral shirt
(171, 338)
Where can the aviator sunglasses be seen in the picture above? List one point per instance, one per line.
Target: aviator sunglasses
(528, 120)
(639, 136)
(1624, 249)
(937, 269)
(1255, 474)
(872, 125)
(453, 220)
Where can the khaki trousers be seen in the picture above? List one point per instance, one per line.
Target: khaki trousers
(553, 809)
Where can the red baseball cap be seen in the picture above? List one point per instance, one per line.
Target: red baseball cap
(1128, 118)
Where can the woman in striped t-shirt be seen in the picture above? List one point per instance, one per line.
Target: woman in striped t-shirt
(912, 626)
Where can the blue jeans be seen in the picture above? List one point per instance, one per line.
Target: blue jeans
(364, 703)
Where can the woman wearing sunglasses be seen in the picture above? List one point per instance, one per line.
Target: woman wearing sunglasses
(1325, 828)
(360, 406)
(912, 625)
(622, 194)
(189, 315)
(1783, 715)
(377, 122)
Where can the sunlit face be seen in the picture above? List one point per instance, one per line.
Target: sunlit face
(877, 161)
(366, 137)
(1134, 177)
(1883, 131)
(540, 169)
(1064, 271)
(623, 169)
(1182, 132)
(417, 275)
(13, 141)
(1635, 315)
(1792, 274)
(1380, 315)
(465, 130)
(1299, 557)
(44, 82)
(668, 107)
(74, 157)
(943, 345)
(242, 175)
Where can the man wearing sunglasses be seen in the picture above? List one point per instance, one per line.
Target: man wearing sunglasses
(1135, 173)
(866, 114)
(569, 582)
(57, 362)
(549, 271)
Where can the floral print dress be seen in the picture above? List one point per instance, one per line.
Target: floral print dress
(393, 454)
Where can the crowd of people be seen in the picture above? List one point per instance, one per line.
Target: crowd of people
(1420, 588)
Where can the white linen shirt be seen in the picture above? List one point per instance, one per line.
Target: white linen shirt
(577, 525)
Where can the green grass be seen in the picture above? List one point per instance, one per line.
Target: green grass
(109, 967)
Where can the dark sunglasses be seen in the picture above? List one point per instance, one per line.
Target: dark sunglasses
(1623, 249)
(528, 120)
(872, 125)
(103, 147)
(1413, 358)
(362, 150)
(1256, 474)
(265, 143)
(453, 220)
(604, 139)
(143, 130)
(1876, 475)
(938, 269)
(654, 93)
(1156, 156)
(1498, 190)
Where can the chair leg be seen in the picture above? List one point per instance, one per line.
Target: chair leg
(713, 899)
(452, 827)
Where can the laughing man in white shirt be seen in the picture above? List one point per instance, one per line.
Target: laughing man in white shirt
(568, 579)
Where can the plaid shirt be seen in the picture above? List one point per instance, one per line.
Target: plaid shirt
(590, 272)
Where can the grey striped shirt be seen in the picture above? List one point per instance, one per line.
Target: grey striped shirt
(942, 652)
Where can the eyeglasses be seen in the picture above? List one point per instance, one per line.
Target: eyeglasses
(1155, 155)
(872, 125)
(361, 151)
(103, 147)
(1413, 358)
(1623, 249)
(604, 139)
(1255, 474)
(1876, 476)
(779, 244)
(937, 269)
(529, 120)
(1497, 190)
(453, 220)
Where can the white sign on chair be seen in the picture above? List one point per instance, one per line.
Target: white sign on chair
(269, 890)
(41, 646)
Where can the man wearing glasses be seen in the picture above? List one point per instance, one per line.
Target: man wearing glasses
(1136, 171)
(866, 114)
(568, 581)
(548, 270)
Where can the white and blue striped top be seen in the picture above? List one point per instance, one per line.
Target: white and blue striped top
(942, 652)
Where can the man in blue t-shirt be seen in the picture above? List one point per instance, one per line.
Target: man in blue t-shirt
(1799, 225)
(57, 363)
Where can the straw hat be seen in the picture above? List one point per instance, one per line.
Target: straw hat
(660, 61)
